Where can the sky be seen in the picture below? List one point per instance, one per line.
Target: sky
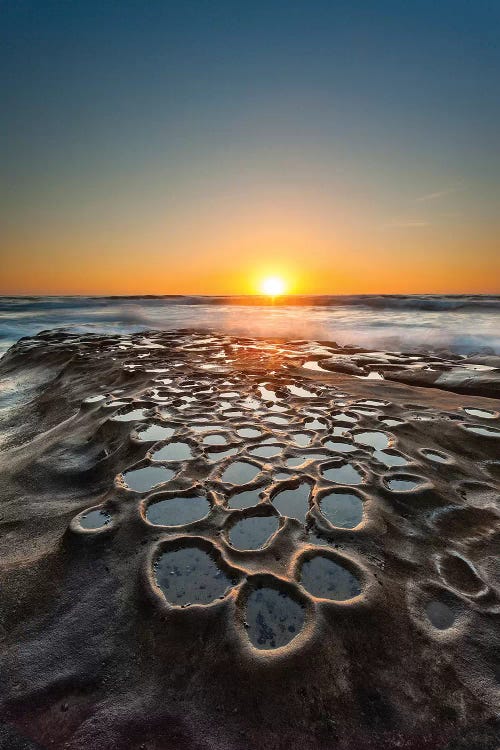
(199, 147)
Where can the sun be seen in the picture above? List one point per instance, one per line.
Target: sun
(272, 286)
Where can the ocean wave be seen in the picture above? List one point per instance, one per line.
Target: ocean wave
(429, 302)
(459, 324)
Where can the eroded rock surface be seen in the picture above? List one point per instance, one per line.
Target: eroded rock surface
(217, 542)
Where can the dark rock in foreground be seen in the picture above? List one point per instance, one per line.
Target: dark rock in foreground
(220, 543)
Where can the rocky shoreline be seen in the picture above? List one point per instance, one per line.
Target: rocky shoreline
(211, 541)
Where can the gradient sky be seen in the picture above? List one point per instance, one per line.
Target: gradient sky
(195, 147)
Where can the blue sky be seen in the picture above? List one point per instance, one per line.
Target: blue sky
(384, 116)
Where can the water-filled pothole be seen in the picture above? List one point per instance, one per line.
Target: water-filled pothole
(154, 433)
(373, 439)
(273, 618)
(391, 458)
(302, 439)
(253, 533)
(340, 446)
(404, 483)
(276, 420)
(249, 432)
(344, 474)
(293, 503)
(130, 416)
(94, 519)
(314, 424)
(190, 575)
(392, 422)
(204, 427)
(173, 452)
(484, 431)
(251, 403)
(341, 417)
(342, 509)
(340, 432)
(326, 579)
(215, 439)
(266, 451)
(143, 480)
(439, 458)
(219, 455)
(177, 511)
(94, 399)
(277, 408)
(313, 365)
(266, 393)
(440, 615)
(296, 390)
(245, 499)
(480, 413)
(295, 461)
(240, 472)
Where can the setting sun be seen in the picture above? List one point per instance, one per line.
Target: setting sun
(272, 286)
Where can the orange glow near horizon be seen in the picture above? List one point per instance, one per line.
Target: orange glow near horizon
(234, 255)
(228, 241)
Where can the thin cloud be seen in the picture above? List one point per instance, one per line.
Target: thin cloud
(439, 194)
(406, 223)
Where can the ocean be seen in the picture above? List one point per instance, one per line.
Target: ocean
(462, 324)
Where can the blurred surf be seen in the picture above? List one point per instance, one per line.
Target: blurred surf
(462, 324)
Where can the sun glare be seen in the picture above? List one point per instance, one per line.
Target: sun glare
(272, 286)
